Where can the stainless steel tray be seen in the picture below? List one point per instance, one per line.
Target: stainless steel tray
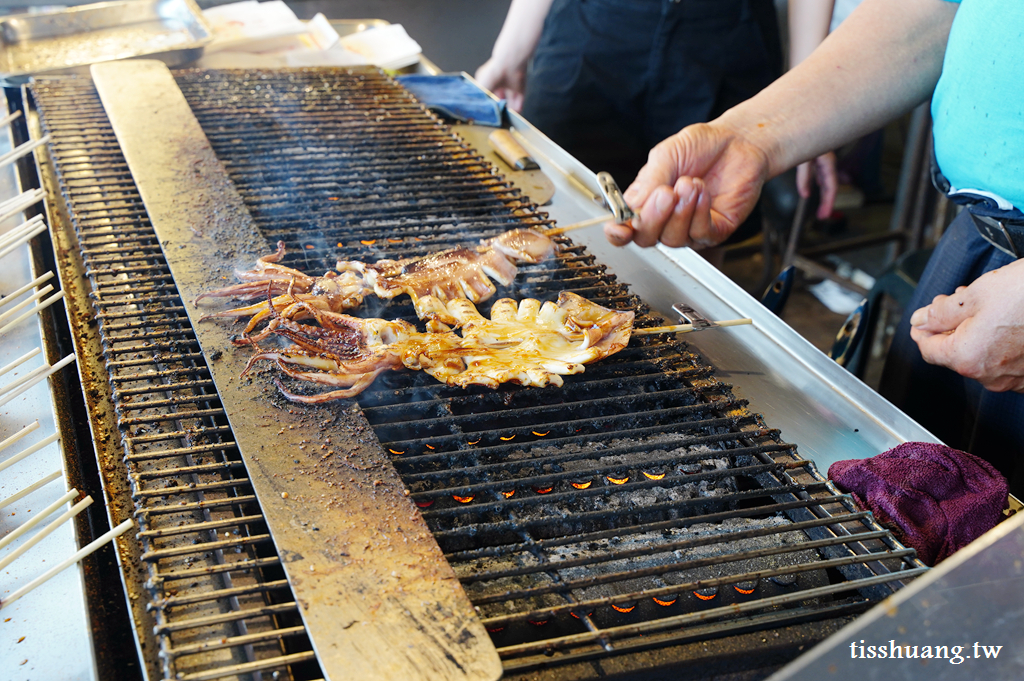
(65, 41)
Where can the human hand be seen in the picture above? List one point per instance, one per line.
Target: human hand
(506, 81)
(978, 331)
(823, 171)
(696, 189)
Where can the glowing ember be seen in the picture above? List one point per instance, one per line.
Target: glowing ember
(583, 485)
(508, 494)
(510, 437)
(495, 630)
(428, 446)
(310, 247)
(473, 442)
(666, 600)
(463, 500)
(369, 242)
(540, 434)
(653, 476)
(624, 608)
(618, 481)
(581, 614)
(394, 241)
(743, 591)
(542, 490)
(707, 593)
(332, 198)
(341, 245)
(395, 451)
(426, 503)
(539, 623)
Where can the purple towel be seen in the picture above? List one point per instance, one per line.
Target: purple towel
(935, 499)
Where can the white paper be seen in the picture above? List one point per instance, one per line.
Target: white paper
(388, 47)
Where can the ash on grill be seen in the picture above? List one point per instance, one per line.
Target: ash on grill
(640, 504)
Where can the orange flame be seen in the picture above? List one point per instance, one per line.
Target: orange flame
(368, 243)
(667, 601)
(583, 485)
(703, 597)
(542, 490)
(744, 591)
(508, 494)
(623, 608)
(395, 241)
(618, 481)
(654, 476)
(540, 434)
(395, 451)
(473, 442)
(428, 446)
(310, 247)
(588, 614)
(341, 245)
(511, 437)
(463, 500)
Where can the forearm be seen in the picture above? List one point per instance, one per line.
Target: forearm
(809, 22)
(883, 61)
(521, 31)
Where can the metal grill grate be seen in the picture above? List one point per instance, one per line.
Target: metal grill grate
(216, 602)
(640, 505)
(635, 502)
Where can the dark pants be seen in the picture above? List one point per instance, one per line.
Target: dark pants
(956, 409)
(612, 78)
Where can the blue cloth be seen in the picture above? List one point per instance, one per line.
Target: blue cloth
(977, 106)
(454, 97)
(955, 409)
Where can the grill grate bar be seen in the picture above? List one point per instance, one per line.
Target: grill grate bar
(463, 556)
(498, 528)
(667, 547)
(682, 620)
(677, 589)
(150, 348)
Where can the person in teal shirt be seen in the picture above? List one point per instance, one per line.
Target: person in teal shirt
(957, 363)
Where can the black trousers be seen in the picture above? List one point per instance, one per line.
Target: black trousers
(612, 78)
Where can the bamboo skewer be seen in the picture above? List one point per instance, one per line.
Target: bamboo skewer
(20, 203)
(29, 196)
(116, 532)
(18, 362)
(29, 451)
(37, 227)
(10, 118)
(21, 150)
(579, 225)
(46, 531)
(45, 304)
(13, 233)
(35, 379)
(28, 301)
(20, 434)
(17, 496)
(684, 328)
(41, 279)
(40, 517)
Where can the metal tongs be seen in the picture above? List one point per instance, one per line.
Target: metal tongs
(621, 212)
(613, 201)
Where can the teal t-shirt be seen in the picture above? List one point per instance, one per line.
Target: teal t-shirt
(978, 106)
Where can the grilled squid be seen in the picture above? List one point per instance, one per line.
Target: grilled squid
(528, 343)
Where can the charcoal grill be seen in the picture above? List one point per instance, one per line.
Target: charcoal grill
(639, 518)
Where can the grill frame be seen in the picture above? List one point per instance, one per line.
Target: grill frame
(136, 424)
